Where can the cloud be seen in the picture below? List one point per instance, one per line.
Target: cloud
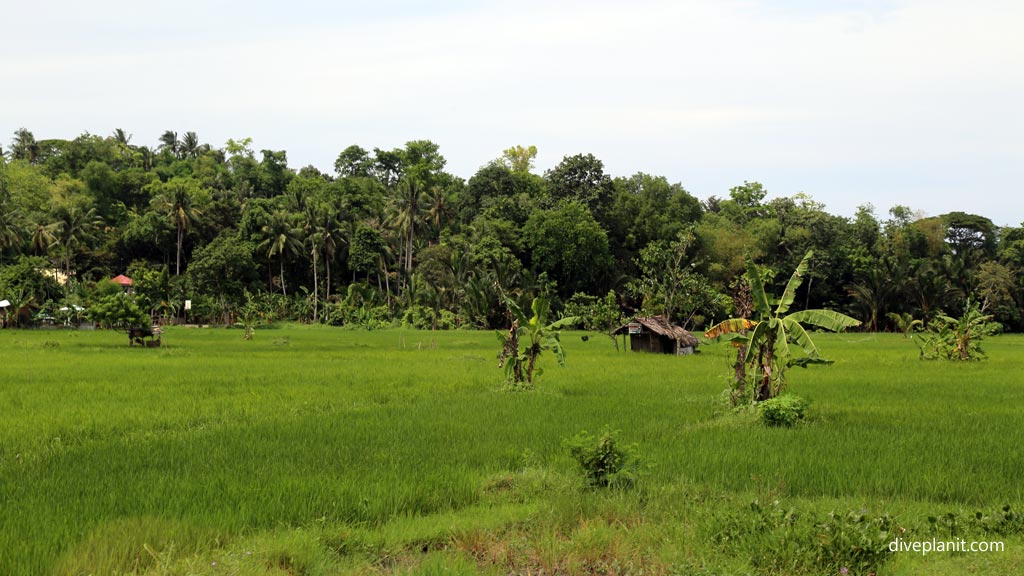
(861, 95)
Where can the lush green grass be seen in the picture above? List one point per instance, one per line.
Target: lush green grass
(329, 451)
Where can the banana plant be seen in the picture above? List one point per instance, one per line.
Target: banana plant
(539, 335)
(769, 341)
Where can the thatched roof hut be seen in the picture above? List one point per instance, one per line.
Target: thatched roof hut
(655, 334)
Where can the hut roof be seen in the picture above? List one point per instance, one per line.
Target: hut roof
(122, 280)
(662, 327)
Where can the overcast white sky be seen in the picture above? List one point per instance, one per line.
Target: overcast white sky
(915, 102)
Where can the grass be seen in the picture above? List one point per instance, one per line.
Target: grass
(323, 451)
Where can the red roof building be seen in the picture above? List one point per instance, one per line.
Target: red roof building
(122, 280)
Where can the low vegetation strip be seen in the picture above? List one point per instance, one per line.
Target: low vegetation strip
(323, 451)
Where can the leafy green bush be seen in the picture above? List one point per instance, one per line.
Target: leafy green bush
(597, 314)
(605, 461)
(785, 410)
(950, 338)
(427, 318)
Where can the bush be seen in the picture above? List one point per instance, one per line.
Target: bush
(604, 460)
(785, 410)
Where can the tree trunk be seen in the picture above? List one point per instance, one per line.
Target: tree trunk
(284, 290)
(316, 292)
(177, 260)
(764, 391)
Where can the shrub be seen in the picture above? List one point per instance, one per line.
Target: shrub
(785, 410)
(604, 460)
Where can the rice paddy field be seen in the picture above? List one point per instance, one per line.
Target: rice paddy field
(325, 451)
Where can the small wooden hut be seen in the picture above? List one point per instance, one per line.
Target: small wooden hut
(655, 334)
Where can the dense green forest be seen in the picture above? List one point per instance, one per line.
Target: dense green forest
(390, 237)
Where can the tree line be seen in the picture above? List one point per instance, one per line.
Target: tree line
(391, 237)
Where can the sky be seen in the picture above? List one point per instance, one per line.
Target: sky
(917, 103)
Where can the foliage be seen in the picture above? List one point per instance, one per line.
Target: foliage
(119, 311)
(783, 539)
(785, 410)
(251, 315)
(521, 364)
(905, 323)
(597, 314)
(604, 460)
(957, 339)
(768, 344)
(426, 318)
(91, 204)
(668, 285)
(568, 243)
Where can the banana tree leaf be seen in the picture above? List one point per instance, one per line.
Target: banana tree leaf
(827, 319)
(540, 308)
(781, 343)
(789, 294)
(732, 326)
(757, 288)
(566, 322)
(760, 333)
(805, 362)
(800, 337)
(517, 312)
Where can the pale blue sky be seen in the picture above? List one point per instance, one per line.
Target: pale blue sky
(914, 102)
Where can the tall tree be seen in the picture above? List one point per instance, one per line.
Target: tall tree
(178, 200)
(281, 238)
(74, 225)
(407, 209)
(169, 143)
(24, 146)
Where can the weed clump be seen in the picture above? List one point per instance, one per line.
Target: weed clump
(604, 460)
(786, 410)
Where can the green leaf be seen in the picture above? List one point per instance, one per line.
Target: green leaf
(758, 336)
(566, 322)
(827, 319)
(782, 353)
(794, 283)
(800, 337)
(757, 288)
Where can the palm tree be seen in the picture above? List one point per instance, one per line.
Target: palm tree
(176, 199)
(189, 146)
(873, 294)
(73, 226)
(281, 239)
(24, 146)
(407, 212)
(10, 225)
(169, 142)
(121, 137)
(438, 209)
(41, 238)
(324, 233)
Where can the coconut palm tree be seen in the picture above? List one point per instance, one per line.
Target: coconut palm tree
(189, 146)
(73, 226)
(24, 146)
(10, 225)
(176, 199)
(169, 143)
(407, 208)
(41, 238)
(281, 238)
